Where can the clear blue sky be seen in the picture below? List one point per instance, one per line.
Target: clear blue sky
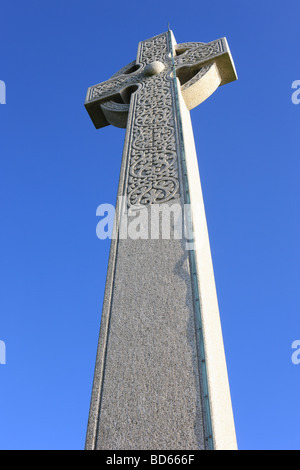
(55, 169)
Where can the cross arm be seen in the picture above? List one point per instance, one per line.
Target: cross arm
(200, 67)
(203, 67)
(195, 54)
(110, 94)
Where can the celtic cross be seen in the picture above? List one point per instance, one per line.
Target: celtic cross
(160, 378)
(142, 90)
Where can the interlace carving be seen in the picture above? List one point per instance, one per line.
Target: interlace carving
(198, 52)
(153, 169)
(153, 49)
(106, 89)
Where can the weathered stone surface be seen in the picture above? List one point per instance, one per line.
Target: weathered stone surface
(151, 389)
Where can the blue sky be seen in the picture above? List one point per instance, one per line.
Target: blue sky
(55, 169)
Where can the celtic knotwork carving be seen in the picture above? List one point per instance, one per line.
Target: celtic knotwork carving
(188, 45)
(153, 49)
(153, 169)
(113, 85)
(199, 52)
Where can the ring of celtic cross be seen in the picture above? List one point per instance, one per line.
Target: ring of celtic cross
(200, 68)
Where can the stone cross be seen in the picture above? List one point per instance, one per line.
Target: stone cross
(160, 377)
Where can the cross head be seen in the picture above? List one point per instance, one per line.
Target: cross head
(195, 64)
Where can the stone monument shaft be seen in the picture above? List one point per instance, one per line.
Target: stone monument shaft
(160, 377)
